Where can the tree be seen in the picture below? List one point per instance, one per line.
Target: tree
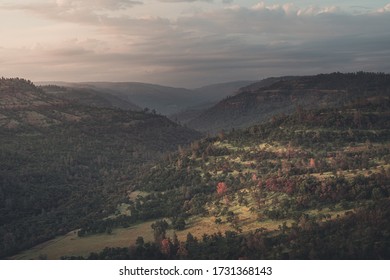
(254, 177)
(377, 193)
(159, 229)
(182, 251)
(221, 188)
(191, 239)
(179, 223)
(166, 246)
(312, 163)
(175, 241)
(140, 241)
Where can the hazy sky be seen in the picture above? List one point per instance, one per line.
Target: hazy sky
(190, 42)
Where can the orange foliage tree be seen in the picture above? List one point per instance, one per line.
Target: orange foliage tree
(312, 163)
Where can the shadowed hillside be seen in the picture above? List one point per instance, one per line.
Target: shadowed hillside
(176, 102)
(62, 163)
(89, 97)
(257, 103)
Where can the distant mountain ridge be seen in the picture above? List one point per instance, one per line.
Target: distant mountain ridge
(216, 92)
(89, 97)
(163, 99)
(260, 101)
(210, 95)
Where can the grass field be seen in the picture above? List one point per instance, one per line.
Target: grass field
(72, 245)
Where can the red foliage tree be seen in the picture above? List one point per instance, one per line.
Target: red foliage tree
(221, 188)
(166, 246)
(254, 177)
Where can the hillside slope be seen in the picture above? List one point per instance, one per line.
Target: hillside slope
(89, 97)
(62, 163)
(163, 99)
(216, 92)
(299, 186)
(208, 97)
(257, 103)
(312, 185)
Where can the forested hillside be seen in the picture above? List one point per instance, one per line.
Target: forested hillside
(163, 99)
(62, 163)
(170, 101)
(260, 101)
(89, 97)
(313, 185)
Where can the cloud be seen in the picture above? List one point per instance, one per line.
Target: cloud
(67, 6)
(292, 10)
(385, 9)
(97, 4)
(187, 1)
(79, 11)
(225, 43)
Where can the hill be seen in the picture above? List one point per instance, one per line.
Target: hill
(260, 101)
(302, 186)
(62, 163)
(208, 97)
(311, 185)
(216, 92)
(162, 99)
(89, 97)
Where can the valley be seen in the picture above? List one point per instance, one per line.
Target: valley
(307, 178)
(139, 96)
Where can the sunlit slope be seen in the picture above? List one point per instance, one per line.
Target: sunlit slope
(294, 176)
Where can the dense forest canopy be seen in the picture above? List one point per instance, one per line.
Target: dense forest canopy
(63, 164)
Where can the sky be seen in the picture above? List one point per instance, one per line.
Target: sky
(190, 43)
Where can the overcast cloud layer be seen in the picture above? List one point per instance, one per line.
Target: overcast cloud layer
(190, 42)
